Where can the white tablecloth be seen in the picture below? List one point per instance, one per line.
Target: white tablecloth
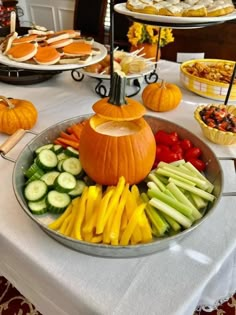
(200, 269)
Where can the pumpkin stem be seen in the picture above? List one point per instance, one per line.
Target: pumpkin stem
(163, 84)
(7, 101)
(117, 92)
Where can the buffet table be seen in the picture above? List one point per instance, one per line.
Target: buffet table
(199, 270)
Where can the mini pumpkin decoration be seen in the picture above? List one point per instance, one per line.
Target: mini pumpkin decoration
(16, 114)
(117, 140)
(161, 96)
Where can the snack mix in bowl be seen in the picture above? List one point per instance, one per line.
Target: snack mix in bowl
(218, 122)
(209, 78)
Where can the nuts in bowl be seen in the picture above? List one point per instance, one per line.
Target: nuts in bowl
(209, 78)
(218, 122)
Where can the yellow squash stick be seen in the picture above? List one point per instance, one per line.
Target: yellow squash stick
(125, 237)
(75, 207)
(135, 192)
(111, 208)
(102, 210)
(136, 236)
(90, 224)
(80, 215)
(124, 220)
(92, 196)
(55, 225)
(116, 222)
(145, 228)
(115, 198)
(65, 224)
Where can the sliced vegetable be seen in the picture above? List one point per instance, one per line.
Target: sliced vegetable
(35, 190)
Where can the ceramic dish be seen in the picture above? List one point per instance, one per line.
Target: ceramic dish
(22, 65)
(204, 87)
(213, 134)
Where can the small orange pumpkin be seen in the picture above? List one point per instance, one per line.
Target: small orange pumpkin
(117, 141)
(161, 96)
(16, 114)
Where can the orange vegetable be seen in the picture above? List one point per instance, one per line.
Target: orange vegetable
(16, 114)
(71, 143)
(68, 136)
(161, 97)
(106, 157)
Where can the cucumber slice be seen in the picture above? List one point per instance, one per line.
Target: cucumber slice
(47, 159)
(57, 148)
(80, 185)
(72, 152)
(65, 182)
(32, 170)
(35, 190)
(36, 175)
(72, 165)
(62, 156)
(49, 178)
(59, 165)
(43, 147)
(57, 202)
(38, 207)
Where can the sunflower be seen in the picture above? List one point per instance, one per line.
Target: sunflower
(142, 33)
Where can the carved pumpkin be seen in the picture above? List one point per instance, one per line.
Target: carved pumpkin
(16, 114)
(161, 97)
(117, 141)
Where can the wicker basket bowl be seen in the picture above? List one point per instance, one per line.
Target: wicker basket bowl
(213, 134)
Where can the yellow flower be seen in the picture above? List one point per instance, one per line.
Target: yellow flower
(141, 33)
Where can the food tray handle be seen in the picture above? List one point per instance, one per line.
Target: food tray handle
(12, 141)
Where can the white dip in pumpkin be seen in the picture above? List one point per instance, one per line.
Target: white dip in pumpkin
(118, 128)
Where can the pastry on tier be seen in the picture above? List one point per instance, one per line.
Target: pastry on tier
(44, 47)
(186, 8)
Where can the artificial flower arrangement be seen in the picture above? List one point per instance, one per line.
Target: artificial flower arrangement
(139, 33)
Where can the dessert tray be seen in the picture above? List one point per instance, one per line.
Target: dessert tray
(174, 21)
(57, 67)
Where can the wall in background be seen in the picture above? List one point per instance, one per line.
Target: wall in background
(53, 14)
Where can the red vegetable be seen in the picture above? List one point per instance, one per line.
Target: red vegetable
(193, 152)
(176, 148)
(199, 164)
(166, 138)
(186, 144)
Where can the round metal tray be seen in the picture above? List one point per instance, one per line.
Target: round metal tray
(213, 173)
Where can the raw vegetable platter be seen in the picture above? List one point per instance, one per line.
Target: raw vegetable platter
(213, 174)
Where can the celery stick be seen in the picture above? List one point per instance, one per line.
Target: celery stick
(177, 163)
(160, 224)
(176, 215)
(200, 175)
(199, 202)
(153, 186)
(162, 178)
(157, 181)
(185, 210)
(174, 225)
(179, 195)
(169, 173)
(155, 232)
(195, 190)
(167, 192)
(175, 170)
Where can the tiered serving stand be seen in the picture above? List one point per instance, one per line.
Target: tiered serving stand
(172, 22)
